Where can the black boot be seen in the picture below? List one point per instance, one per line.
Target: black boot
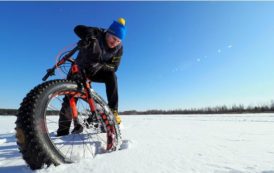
(78, 128)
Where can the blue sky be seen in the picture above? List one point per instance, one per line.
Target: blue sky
(176, 54)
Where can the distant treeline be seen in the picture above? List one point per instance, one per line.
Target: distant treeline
(15, 111)
(208, 110)
(8, 111)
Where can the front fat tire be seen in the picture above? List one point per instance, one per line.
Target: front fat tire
(31, 133)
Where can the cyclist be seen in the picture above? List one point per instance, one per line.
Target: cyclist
(100, 54)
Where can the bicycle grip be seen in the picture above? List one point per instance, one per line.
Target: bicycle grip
(50, 72)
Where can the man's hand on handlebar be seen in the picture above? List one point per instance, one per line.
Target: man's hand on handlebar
(84, 43)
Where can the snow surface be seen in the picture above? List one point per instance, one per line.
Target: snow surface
(170, 143)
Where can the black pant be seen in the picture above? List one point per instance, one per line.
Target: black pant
(110, 80)
(65, 117)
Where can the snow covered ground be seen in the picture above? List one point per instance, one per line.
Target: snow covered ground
(170, 143)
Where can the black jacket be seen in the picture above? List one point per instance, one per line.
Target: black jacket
(97, 56)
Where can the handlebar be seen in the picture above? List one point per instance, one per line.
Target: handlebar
(50, 72)
(67, 57)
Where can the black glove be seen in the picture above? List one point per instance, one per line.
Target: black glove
(108, 68)
(86, 42)
(83, 44)
(95, 67)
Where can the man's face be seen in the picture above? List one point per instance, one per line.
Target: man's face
(112, 41)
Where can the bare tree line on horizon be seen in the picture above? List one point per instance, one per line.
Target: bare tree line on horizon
(209, 110)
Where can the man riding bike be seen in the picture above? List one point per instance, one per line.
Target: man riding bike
(99, 56)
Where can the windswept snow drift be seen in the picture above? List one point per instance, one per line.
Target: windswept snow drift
(170, 143)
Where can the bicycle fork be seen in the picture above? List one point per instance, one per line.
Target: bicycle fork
(73, 101)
